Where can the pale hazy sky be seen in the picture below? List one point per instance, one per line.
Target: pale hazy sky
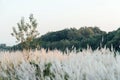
(55, 15)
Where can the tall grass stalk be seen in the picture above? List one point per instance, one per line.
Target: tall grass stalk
(54, 65)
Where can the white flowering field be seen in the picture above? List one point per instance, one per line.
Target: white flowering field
(54, 65)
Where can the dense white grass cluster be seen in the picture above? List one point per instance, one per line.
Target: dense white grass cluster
(54, 65)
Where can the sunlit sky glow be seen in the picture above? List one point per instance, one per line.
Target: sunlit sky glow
(53, 15)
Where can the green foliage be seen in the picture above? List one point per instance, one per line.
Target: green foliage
(26, 32)
(79, 39)
(66, 77)
(55, 36)
(73, 38)
(113, 39)
(47, 71)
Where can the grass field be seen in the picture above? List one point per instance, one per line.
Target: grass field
(54, 65)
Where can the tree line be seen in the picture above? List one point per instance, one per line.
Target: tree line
(76, 38)
(27, 36)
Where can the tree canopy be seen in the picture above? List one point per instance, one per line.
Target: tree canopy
(78, 38)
